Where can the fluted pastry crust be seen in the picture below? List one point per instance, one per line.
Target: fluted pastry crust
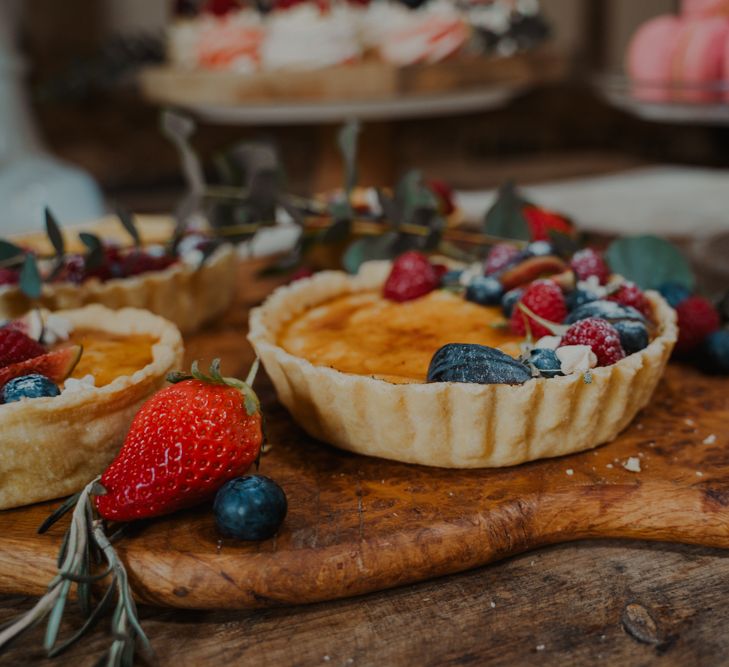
(51, 447)
(186, 295)
(452, 425)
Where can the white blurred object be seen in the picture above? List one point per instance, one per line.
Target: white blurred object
(667, 200)
(30, 179)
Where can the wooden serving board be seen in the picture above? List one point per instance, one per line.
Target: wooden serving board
(359, 524)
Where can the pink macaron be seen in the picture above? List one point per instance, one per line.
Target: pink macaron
(649, 58)
(705, 8)
(698, 59)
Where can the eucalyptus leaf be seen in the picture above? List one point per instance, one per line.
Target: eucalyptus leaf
(347, 140)
(30, 282)
(55, 235)
(10, 251)
(127, 221)
(505, 218)
(564, 244)
(649, 261)
(409, 195)
(369, 248)
(95, 256)
(338, 231)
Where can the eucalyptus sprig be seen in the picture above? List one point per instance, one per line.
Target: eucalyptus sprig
(86, 557)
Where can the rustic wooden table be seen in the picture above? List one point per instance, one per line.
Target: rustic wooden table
(612, 602)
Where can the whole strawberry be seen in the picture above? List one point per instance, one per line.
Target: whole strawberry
(15, 347)
(589, 262)
(541, 222)
(697, 318)
(412, 275)
(600, 335)
(629, 294)
(185, 442)
(499, 257)
(544, 298)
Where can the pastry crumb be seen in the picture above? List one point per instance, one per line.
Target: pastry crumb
(710, 439)
(699, 473)
(689, 422)
(639, 427)
(632, 464)
(609, 465)
(493, 604)
(569, 471)
(540, 647)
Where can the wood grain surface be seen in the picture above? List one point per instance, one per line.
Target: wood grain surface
(358, 524)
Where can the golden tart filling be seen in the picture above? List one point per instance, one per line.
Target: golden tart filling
(366, 334)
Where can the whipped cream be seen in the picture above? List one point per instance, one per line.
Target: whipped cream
(78, 385)
(304, 38)
(576, 358)
(56, 328)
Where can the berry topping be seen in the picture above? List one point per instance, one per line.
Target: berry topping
(500, 256)
(715, 352)
(600, 336)
(485, 291)
(544, 298)
(411, 276)
(531, 269)
(9, 276)
(674, 293)
(250, 508)
(56, 365)
(629, 294)
(589, 262)
(546, 362)
(605, 310)
(510, 299)
(541, 222)
(697, 318)
(301, 273)
(633, 335)
(183, 444)
(15, 347)
(444, 194)
(462, 362)
(136, 263)
(29, 386)
(579, 297)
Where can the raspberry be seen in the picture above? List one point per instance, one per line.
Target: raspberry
(9, 276)
(589, 262)
(697, 318)
(543, 298)
(499, 257)
(600, 335)
(411, 276)
(140, 262)
(15, 347)
(630, 294)
(541, 222)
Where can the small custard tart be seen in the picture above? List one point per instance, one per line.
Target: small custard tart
(53, 446)
(351, 367)
(189, 294)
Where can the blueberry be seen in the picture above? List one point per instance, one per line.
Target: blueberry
(546, 362)
(250, 508)
(464, 362)
(29, 386)
(633, 335)
(723, 308)
(509, 300)
(538, 249)
(714, 354)
(606, 310)
(674, 293)
(579, 297)
(451, 279)
(485, 291)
